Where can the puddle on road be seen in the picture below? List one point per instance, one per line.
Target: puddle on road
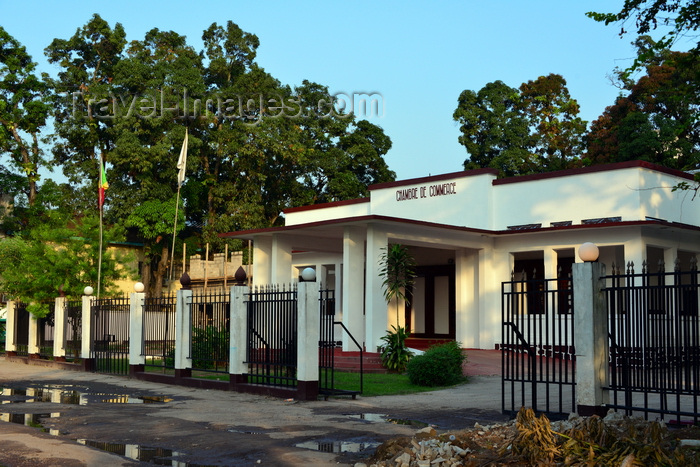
(338, 446)
(63, 395)
(151, 455)
(384, 418)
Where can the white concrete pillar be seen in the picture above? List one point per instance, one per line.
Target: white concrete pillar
(136, 350)
(550, 264)
(59, 328)
(352, 289)
(591, 327)
(495, 266)
(183, 327)
(467, 298)
(262, 259)
(238, 343)
(308, 335)
(281, 261)
(86, 339)
(33, 347)
(11, 327)
(376, 310)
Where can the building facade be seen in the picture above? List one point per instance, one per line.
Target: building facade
(469, 232)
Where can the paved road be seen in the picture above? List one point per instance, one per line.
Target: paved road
(138, 419)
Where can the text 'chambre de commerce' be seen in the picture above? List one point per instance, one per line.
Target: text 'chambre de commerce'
(428, 191)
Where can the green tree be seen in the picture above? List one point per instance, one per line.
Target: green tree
(557, 130)
(397, 268)
(679, 16)
(657, 120)
(52, 258)
(495, 130)
(24, 110)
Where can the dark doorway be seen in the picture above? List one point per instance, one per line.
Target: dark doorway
(431, 312)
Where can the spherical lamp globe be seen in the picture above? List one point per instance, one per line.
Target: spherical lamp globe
(138, 287)
(88, 290)
(588, 252)
(308, 274)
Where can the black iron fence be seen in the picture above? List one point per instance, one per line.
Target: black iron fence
(47, 327)
(210, 332)
(158, 345)
(73, 329)
(272, 336)
(110, 334)
(22, 330)
(538, 348)
(654, 332)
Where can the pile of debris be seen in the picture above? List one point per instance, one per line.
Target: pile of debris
(530, 440)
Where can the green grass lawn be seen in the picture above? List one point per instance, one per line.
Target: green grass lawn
(380, 384)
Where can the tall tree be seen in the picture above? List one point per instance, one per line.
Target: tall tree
(24, 110)
(495, 130)
(557, 129)
(658, 119)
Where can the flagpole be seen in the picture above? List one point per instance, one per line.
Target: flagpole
(101, 187)
(181, 163)
(172, 255)
(99, 261)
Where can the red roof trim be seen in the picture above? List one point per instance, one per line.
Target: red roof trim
(594, 169)
(433, 178)
(331, 204)
(370, 218)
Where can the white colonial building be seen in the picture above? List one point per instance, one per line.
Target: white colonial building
(469, 231)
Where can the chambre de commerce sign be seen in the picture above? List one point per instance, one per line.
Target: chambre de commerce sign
(426, 191)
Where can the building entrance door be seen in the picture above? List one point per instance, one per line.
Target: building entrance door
(431, 312)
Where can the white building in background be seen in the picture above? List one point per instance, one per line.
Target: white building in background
(469, 231)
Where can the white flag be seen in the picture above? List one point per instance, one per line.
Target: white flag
(182, 161)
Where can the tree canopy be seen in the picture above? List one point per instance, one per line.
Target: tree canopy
(256, 146)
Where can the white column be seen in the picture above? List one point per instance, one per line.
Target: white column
(183, 324)
(467, 298)
(550, 264)
(495, 266)
(376, 310)
(281, 261)
(352, 289)
(59, 328)
(237, 341)
(591, 339)
(262, 259)
(86, 327)
(636, 252)
(11, 327)
(136, 354)
(308, 334)
(33, 347)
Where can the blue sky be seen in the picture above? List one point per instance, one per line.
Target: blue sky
(419, 56)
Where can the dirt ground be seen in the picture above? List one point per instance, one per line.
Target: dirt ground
(79, 417)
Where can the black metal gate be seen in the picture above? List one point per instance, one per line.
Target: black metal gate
(46, 327)
(158, 346)
(110, 334)
(654, 331)
(537, 349)
(272, 336)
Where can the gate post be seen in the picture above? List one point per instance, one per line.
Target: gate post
(33, 342)
(11, 329)
(238, 344)
(591, 325)
(86, 339)
(59, 331)
(183, 331)
(308, 334)
(137, 359)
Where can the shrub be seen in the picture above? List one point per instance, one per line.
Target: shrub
(440, 365)
(395, 355)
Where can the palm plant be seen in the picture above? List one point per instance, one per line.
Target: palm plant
(397, 269)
